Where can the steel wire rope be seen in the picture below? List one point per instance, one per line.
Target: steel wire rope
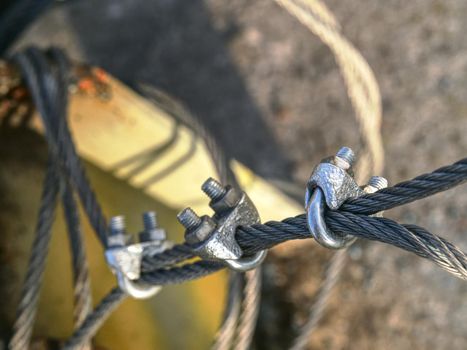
(46, 82)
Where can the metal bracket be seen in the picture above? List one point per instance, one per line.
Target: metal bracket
(125, 262)
(214, 238)
(336, 183)
(125, 259)
(331, 184)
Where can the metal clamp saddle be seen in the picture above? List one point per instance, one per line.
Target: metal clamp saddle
(125, 258)
(213, 238)
(331, 184)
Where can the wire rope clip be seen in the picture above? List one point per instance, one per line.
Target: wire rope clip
(213, 238)
(124, 257)
(329, 186)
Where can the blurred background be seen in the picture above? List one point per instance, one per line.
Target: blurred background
(253, 73)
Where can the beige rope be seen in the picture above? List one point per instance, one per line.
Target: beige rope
(365, 97)
(250, 308)
(362, 87)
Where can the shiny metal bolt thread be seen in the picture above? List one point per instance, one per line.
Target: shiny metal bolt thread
(117, 236)
(117, 225)
(375, 184)
(378, 182)
(345, 157)
(149, 220)
(189, 219)
(213, 189)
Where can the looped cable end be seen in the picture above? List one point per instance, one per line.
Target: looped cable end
(330, 185)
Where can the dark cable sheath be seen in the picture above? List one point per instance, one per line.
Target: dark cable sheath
(47, 78)
(36, 73)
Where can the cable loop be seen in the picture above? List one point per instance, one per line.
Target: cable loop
(330, 185)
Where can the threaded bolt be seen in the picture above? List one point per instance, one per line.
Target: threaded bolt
(117, 225)
(345, 158)
(375, 184)
(152, 232)
(149, 220)
(378, 182)
(117, 237)
(213, 189)
(189, 219)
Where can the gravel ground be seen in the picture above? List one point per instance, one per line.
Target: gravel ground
(250, 69)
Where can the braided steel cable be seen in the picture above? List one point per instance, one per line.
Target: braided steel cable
(362, 87)
(81, 281)
(37, 72)
(27, 307)
(233, 311)
(48, 85)
(250, 307)
(170, 257)
(95, 320)
(408, 237)
(226, 332)
(405, 192)
(22, 329)
(364, 94)
(82, 288)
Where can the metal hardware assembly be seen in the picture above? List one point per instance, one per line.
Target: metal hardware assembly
(331, 184)
(213, 238)
(124, 258)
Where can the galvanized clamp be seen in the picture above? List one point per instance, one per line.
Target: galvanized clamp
(124, 257)
(331, 184)
(213, 238)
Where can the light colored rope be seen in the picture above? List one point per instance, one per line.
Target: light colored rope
(250, 308)
(362, 87)
(364, 94)
(226, 332)
(81, 279)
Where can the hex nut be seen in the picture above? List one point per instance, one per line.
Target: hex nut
(118, 240)
(227, 202)
(157, 234)
(202, 232)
